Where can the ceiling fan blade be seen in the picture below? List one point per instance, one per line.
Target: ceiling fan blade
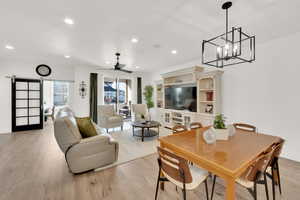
(121, 66)
(124, 70)
(105, 69)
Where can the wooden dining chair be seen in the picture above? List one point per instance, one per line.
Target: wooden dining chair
(273, 168)
(253, 175)
(196, 125)
(245, 127)
(175, 169)
(179, 128)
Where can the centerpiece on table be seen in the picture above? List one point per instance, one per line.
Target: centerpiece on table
(222, 132)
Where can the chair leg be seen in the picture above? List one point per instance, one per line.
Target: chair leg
(121, 128)
(278, 175)
(273, 184)
(255, 191)
(206, 189)
(213, 187)
(184, 193)
(157, 185)
(266, 186)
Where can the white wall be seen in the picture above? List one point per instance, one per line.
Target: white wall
(265, 93)
(82, 73)
(22, 69)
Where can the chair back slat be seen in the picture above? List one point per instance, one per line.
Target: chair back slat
(245, 127)
(174, 166)
(259, 166)
(179, 128)
(196, 125)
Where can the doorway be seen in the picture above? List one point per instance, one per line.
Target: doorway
(118, 92)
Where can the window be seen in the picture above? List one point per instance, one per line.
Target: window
(60, 93)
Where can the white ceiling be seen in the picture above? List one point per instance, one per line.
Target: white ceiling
(37, 31)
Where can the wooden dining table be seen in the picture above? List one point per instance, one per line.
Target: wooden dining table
(227, 159)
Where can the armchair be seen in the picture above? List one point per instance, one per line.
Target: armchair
(140, 112)
(108, 118)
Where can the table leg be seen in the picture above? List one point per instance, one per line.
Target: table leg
(230, 189)
(142, 134)
(132, 130)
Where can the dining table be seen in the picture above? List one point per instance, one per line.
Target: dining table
(227, 159)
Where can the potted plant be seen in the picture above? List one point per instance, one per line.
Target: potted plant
(148, 94)
(222, 132)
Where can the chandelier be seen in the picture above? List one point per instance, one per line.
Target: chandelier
(231, 48)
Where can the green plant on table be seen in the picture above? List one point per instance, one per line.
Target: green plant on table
(219, 122)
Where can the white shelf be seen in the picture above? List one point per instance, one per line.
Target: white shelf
(206, 89)
(180, 83)
(207, 101)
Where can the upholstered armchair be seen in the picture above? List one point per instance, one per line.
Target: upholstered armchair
(83, 154)
(140, 112)
(108, 118)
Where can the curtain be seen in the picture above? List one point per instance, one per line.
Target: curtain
(93, 96)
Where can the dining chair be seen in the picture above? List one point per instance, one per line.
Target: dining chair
(273, 168)
(253, 175)
(245, 127)
(175, 169)
(196, 125)
(179, 128)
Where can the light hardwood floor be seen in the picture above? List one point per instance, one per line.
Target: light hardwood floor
(32, 167)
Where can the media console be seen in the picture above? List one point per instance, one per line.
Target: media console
(208, 96)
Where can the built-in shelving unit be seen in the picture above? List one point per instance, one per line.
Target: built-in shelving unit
(159, 95)
(208, 96)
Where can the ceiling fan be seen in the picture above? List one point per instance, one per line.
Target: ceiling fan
(118, 66)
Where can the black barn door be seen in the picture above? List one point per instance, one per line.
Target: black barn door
(27, 104)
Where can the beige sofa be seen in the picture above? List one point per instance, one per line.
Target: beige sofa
(140, 112)
(108, 118)
(83, 154)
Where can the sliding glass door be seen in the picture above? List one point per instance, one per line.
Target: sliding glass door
(117, 92)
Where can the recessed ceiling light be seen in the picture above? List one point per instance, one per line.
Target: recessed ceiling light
(174, 51)
(107, 62)
(134, 40)
(67, 56)
(9, 47)
(69, 21)
(137, 67)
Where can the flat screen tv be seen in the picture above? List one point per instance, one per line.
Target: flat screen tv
(182, 97)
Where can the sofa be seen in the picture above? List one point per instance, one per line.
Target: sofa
(83, 154)
(108, 118)
(140, 112)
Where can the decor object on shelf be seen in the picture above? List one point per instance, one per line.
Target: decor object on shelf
(222, 133)
(209, 108)
(230, 48)
(148, 93)
(43, 70)
(82, 89)
(209, 136)
(209, 96)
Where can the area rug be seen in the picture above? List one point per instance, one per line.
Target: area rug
(132, 147)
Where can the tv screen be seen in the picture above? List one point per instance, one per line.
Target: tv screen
(181, 98)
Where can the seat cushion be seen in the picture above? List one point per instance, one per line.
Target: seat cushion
(245, 183)
(115, 119)
(86, 127)
(198, 176)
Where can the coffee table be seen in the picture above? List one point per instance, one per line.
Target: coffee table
(145, 125)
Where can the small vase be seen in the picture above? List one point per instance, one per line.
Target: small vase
(209, 136)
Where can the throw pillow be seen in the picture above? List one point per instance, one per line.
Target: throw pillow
(86, 127)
